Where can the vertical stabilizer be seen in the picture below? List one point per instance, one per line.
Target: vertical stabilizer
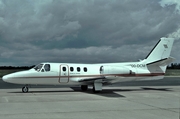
(159, 57)
(161, 50)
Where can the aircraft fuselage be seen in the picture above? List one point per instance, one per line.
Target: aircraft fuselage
(69, 73)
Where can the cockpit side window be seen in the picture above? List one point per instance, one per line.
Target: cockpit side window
(38, 67)
(47, 67)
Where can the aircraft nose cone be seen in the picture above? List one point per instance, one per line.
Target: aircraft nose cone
(7, 78)
(4, 78)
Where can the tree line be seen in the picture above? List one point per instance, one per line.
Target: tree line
(174, 66)
(16, 67)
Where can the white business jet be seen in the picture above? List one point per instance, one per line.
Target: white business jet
(153, 67)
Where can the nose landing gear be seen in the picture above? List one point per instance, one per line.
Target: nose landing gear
(25, 89)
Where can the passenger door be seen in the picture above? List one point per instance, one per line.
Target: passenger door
(64, 73)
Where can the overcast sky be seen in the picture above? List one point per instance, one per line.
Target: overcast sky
(85, 31)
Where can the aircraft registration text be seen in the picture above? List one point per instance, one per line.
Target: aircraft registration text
(137, 65)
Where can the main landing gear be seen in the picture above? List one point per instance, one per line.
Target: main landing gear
(84, 87)
(97, 86)
(25, 89)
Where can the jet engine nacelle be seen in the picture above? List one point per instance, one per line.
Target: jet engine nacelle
(114, 70)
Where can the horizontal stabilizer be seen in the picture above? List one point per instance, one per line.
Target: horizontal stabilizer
(162, 62)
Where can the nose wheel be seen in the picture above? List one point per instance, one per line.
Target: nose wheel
(25, 89)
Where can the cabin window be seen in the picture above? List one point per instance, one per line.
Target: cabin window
(78, 69)
(71, 69)
(47, 67)
(64, 68)
(85, 69)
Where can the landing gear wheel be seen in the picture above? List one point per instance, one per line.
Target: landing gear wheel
(84, 87)
(25, 89)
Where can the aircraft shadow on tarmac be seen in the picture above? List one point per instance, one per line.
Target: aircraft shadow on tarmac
(158, 89)
(111, 92)
(105, 93)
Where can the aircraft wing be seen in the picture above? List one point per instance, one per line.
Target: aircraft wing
(104, 80)
(91, 79)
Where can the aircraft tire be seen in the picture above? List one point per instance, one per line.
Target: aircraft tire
(25, 89)
(84, 87)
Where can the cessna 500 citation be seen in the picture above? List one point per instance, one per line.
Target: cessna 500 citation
(153, 67)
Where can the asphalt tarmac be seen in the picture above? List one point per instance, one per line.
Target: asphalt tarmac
(129, 100)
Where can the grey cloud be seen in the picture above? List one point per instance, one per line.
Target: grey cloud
(83, 30)
(82, 55)
(24, 23)
(166, 4)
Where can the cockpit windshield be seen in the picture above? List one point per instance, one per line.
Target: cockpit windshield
(42, 67)
(38, 67)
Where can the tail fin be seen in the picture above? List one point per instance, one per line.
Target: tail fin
(159, 57)
(161, 50)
